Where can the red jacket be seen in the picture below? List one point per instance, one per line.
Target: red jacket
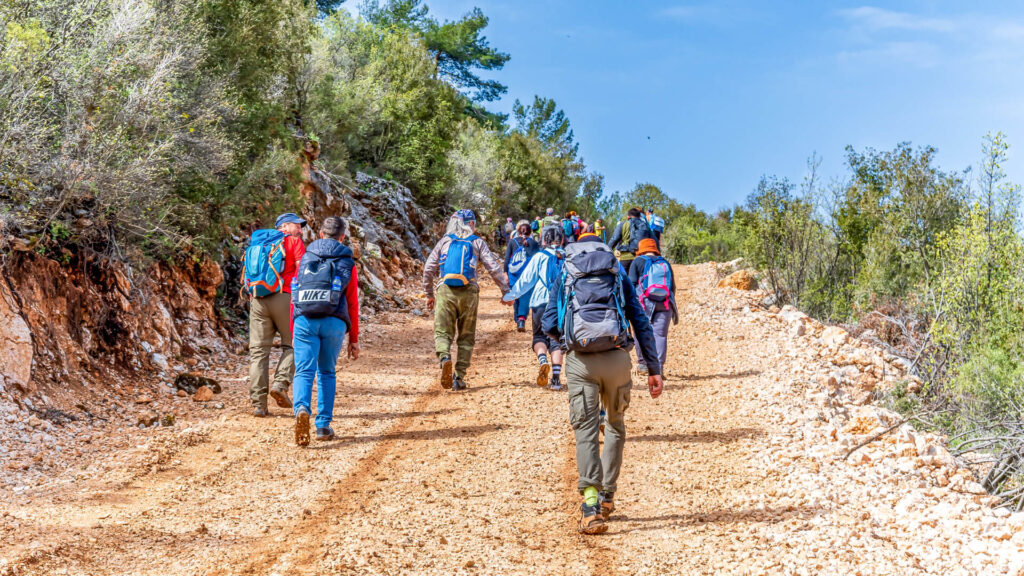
(294, 250)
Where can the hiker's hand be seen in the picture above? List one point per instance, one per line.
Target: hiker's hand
(654, 384)
(353, 350)
(430, 303)
(507, 302)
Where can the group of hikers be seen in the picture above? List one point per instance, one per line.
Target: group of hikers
(590, 303)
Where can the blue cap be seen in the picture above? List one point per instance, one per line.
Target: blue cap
(466, 216)
(289, 217)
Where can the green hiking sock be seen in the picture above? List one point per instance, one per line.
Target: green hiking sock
(590, 495)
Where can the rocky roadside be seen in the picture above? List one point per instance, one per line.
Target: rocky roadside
(901, 493)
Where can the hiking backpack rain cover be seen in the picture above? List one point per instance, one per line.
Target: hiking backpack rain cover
(591, 304)
(458, 265)
(656, 280)
(263, 263)
(320, 284)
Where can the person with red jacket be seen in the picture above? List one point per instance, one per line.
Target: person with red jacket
(270, 315)
(326, 299)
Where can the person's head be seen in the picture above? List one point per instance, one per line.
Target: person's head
(290, 224)
(523, 227)
(633, 213)
(647, 246)
(598, 222)
(550, 212)
(552, 237)
(334, 227)
(650, 211)
(508, 219)
(462, 224)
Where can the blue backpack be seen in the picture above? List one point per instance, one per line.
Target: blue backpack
(458, 265)
(263, 263)
(552, 270)
(517, 261)
(657, 223)
(656, 280)
(569, 229)
(591, 301)
(320, 284)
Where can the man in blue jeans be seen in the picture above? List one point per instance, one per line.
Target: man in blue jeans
(326, 298)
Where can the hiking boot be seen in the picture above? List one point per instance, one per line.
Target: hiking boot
(446, 373)
(543, 373)
(556, 384)
(641, 369)
(324, 434)
(281, 397)
(605, 499)
(520, 325)
(259, 412)
(591, 520)
(302, 428)
(458, 384)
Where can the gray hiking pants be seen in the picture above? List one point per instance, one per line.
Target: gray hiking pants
(660, 321)
(268, 316)
(593, 380)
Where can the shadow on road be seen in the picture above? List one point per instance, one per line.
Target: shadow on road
(706, 437)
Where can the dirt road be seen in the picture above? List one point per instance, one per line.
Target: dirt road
(423, 481)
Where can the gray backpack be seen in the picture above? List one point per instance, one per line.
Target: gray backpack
(591, 304)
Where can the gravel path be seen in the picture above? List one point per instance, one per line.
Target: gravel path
(731, 471)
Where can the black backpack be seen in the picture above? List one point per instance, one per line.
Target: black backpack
(591, 302)
(320, 284)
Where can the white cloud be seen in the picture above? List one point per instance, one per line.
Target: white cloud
(916, 54)
(691, 12)
(875, 19)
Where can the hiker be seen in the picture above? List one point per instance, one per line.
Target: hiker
(535, 226)
(271, 262)
(570, 227)
(509, 230)
(589, 312)
(656, 224)
(454, 259)
(627, 236)
(521, 247)
(539, 275)
(550, 219)
(326, 300)
(598, 229)
(655, 285)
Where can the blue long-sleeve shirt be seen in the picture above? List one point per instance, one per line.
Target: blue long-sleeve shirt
(531, 279)
(634, 314)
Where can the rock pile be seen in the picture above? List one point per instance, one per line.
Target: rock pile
(898, 495)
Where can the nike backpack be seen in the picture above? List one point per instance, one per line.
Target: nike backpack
(320, 284)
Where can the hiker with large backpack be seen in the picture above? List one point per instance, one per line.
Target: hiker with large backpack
(270, 264)
(590, 312)
(570, 227)
(452, 266)
(655, 284)
(627, 236)
(521, 247)
(325, 295)
(535, 284)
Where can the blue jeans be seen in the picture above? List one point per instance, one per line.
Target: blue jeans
(317, 343)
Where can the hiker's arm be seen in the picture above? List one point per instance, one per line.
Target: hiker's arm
(641, 328)
(430, 271)
(352, 301)
(508, 254)
(613, 242)
(491, 263)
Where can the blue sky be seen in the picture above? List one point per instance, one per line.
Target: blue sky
(703, 98)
